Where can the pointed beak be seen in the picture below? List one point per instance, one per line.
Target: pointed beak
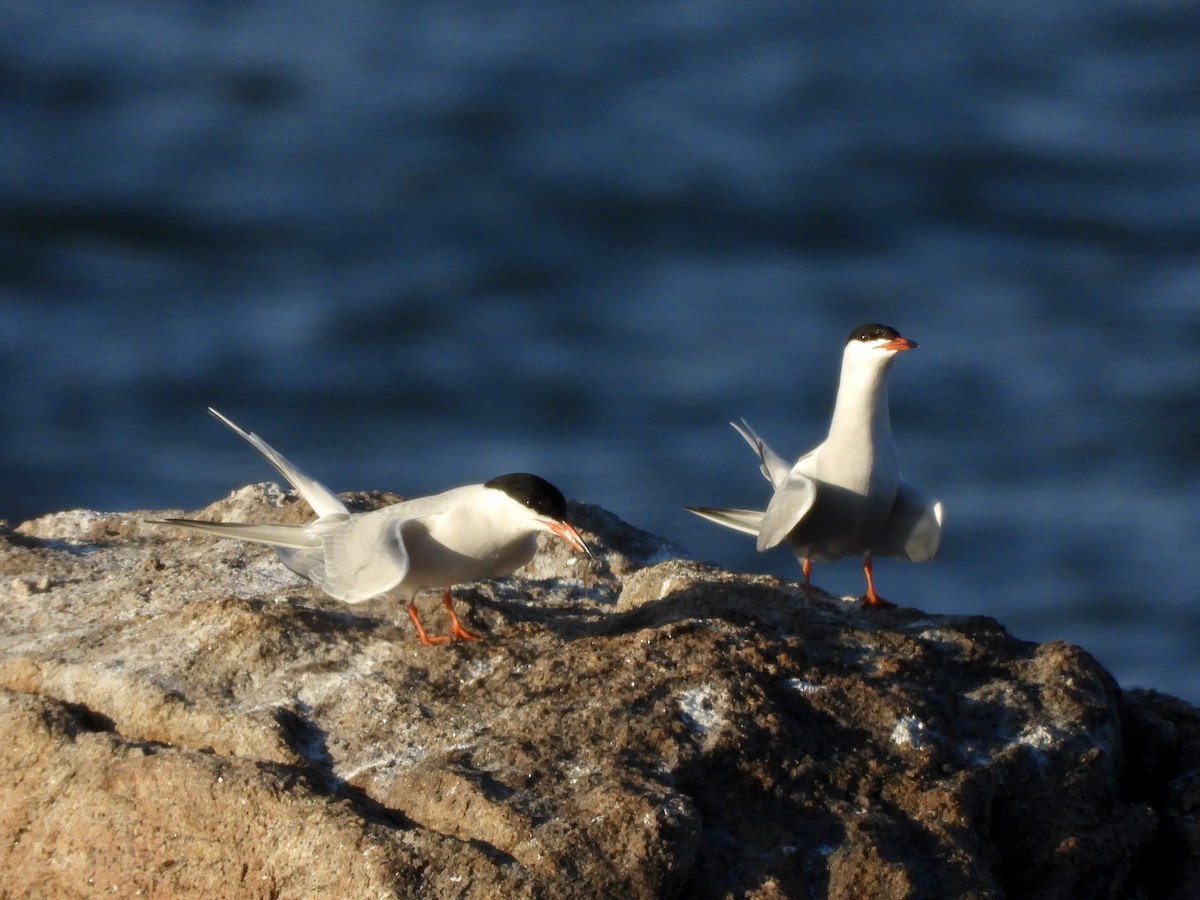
(565, 531)
(900, 343)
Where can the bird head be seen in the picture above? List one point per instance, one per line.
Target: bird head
(542, 503)
(877, 341)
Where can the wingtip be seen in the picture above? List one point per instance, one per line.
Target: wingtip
(763, 544)
(177, 522)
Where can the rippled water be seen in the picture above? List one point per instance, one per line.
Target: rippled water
(415, 245)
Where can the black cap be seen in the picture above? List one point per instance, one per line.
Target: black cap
(872, 331)
(536, 493)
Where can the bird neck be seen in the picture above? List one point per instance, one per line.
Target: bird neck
(861, 407)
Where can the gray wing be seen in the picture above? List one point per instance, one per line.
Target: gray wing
(913, 531)
(794, 495)
(792, 500)
(323, 501)
(773, 466)
(363, 558)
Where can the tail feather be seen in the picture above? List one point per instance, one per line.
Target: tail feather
(294, 537)
(773, 466)
(323, 501)
(744, 520)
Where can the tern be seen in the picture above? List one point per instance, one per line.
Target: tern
(463, 534)
(845, 496)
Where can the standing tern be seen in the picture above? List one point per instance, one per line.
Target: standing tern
(465, 533)
(845, 496)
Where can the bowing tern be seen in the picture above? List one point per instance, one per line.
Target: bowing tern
(460, 535)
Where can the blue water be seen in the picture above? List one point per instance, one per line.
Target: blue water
(420, 244)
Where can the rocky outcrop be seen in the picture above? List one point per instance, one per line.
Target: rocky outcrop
(184, 717)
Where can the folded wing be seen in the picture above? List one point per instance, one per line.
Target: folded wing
(364, 558)
(792, 500)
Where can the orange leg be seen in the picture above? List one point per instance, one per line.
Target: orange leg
(873, 600)
(806, 568)
(425, 639)
(456, 626)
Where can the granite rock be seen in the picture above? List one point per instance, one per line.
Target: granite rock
(185, 717)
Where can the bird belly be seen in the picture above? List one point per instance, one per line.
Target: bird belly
(841, 523)
(442, 563)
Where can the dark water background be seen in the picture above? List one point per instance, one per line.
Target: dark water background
(420, 244)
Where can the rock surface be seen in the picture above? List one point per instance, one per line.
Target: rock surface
(184, 717)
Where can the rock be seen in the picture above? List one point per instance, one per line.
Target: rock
(184, 717)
